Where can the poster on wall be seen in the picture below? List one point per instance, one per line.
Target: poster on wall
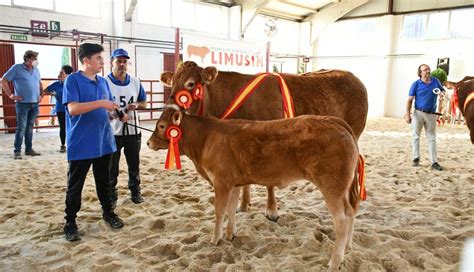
(237, 56)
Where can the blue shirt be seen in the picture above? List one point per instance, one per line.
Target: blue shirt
(141, 94)
(425, 99)
(88, 135)
(26, 82)
(57, 88)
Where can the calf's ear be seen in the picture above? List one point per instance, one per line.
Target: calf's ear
(176, 118)
(209, 74)
(166, 78)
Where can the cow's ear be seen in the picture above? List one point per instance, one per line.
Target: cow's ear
(209, 74)
(166, 78)
(176, 118)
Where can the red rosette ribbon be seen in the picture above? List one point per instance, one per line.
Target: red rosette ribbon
(198, 92)
(184, 99)
(173, 133)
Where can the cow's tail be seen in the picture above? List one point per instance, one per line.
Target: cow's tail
(357, 191)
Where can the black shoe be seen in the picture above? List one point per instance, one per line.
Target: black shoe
(114, 221)
(436, 166)
(70, 232)
(416, 162)
(17, 156)
(137, 197)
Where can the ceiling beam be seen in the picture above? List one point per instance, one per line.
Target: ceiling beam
(332, 13)
(130, 8)
(250, 10)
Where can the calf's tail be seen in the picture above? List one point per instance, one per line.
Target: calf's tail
(357, 191)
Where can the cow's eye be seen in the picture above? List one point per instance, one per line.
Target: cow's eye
(190, 85)
(162, 127)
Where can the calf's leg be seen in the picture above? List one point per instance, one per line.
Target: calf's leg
(336, 206)
(272, 211)
(245, 201)
(221, 201)
(231, 211)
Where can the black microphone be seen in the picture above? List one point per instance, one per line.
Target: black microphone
(119, 113)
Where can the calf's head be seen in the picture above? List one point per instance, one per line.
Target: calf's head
(188, 77)
(159, 139)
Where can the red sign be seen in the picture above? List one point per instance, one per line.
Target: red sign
(39, 28)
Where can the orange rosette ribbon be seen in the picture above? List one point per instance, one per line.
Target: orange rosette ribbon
(198, 92)
(173, 133)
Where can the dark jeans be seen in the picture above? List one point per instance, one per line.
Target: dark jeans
(131, 145)
(25, 120)
(62, 126)
(76, 177)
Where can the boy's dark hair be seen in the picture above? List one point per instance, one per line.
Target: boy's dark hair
(86, 50)
(67, 69)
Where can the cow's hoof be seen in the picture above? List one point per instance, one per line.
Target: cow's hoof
(230, 237)
(215, 241)
(243, 208)
(272, 217)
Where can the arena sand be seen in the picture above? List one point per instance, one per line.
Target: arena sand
(415, 219)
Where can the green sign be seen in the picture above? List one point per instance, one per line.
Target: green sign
(54, 25)
(17, 37)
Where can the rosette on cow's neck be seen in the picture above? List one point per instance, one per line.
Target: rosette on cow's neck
(173, 133)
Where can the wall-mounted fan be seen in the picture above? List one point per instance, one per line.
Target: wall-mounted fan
(270, 28)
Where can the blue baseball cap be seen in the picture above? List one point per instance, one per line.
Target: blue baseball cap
(119, 52)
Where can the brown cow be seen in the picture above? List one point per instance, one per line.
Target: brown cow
(233, 153)
(201, 51)
(333, 93)
(465, 90)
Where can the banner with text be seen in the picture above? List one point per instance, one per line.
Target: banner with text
(242, 57)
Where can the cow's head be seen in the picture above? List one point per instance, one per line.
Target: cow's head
(159, 139)
(187, 78)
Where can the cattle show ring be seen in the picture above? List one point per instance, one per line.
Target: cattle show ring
(237, 135)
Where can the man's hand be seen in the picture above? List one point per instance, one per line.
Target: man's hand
(109, 105)
(407, 118)
(16, 97)
(131, 107)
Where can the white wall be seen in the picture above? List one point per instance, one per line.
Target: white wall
(386, 63)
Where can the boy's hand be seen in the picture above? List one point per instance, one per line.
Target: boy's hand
(125, 118)
(109, 105)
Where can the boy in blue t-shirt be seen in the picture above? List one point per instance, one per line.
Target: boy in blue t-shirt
(56, 90)
(89, 137)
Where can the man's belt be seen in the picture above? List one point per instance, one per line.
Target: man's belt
(429, 112)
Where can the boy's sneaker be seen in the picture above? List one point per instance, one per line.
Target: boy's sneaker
(17, 156)
(416, 162)
(62, 149)
(32, 153)
(113, 219)
(70, 232)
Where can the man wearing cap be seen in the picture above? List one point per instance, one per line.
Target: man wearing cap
(129, 94)
(28, 92)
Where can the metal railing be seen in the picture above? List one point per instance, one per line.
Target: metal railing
(153, 105)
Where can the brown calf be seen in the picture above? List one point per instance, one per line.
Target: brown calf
(234, 153)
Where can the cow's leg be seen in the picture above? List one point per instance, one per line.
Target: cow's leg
(245, 201)
(336, 205)
(272, 211)
(231, 213)
(221, 201)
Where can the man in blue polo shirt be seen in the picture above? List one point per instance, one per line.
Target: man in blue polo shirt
(425, 93)
(27, 95)
(89, 137)
(56, 90)
(129, 94)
